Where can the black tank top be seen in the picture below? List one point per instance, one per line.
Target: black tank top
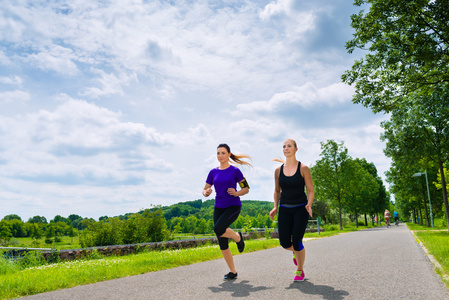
(292, 187)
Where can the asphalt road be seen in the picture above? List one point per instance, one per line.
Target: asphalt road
(380, 263)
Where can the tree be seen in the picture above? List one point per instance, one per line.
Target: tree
(5, 233)
(378, 201)
(361, 188)
(38, 219)
(408, 44)
(12, 217)
(328, 173)
(418, 133)
(59, 218)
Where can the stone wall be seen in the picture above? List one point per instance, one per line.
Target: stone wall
(135, 248)
(125, 249)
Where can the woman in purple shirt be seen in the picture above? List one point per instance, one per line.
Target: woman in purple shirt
(227, 201)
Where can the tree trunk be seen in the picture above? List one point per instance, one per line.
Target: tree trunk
(366, 220)
(339, 212)
(425, 207)
(443, 186)
(420, 216)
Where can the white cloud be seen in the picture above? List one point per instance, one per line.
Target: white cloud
(16, 97)
(275, 8)
(307, 96)
(58, 59)
(13, 80)
(111, 84)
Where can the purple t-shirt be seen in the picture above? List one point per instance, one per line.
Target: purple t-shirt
(222, 180)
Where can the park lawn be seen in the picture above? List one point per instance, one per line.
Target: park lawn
(66, 243)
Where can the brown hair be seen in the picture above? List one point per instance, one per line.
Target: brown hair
(283, 160)
(236, 158)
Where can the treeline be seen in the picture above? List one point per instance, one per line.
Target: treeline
(149, 225)
(408, 83)
(37, 227)
(346, 186)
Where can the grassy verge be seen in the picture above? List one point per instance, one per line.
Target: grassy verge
(16, 282)
(437, 243)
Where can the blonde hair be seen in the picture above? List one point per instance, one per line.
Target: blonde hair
(283, 160)
(236, 158)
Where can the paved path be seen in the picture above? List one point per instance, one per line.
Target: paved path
(377, 263)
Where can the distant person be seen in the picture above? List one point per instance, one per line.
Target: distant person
(293, 205)
(387, 217)
(396, 218)
(227, 201)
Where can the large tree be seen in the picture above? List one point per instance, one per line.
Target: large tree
(408, 44)
(328, 174)
(361, 188)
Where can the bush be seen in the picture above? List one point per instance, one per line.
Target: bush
(331, 227)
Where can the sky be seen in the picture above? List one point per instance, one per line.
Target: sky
(111, 107)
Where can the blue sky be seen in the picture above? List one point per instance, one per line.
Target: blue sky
(108, 107)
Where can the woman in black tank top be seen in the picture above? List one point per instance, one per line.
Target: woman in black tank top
(292, 204)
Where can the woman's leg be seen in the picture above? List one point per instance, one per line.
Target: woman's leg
(223, 218)
(301, 218)
(300, 259)
(227, 255)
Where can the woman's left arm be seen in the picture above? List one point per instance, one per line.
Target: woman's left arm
(243, 191)
(309, 187)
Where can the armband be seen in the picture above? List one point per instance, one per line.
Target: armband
(243, 184)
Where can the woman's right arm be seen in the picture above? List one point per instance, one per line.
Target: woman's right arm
(207, 190)
(277, 193)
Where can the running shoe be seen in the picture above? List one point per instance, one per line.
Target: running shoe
(299, 276)
(230, 276)
(241, 244)
(294, 259)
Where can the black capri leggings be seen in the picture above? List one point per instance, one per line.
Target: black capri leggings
(223, 218)
(292, 223)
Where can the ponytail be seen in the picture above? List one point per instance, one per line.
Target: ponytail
(237, 159)
(278, 160)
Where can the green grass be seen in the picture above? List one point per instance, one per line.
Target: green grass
(66, 243)
(436, 242)
(438, 226)
(16, 281)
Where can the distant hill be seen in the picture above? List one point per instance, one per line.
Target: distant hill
(204, 210)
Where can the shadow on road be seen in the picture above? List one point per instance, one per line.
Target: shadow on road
(238, 289)
(327, 292)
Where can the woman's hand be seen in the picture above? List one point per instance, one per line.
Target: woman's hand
(273, 213)
(207, 192)
(309, 209)
(232, 192)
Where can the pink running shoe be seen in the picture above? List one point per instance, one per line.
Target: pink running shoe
(294, 260)
(299, 276)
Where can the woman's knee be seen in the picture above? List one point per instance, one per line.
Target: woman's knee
(298, 245)
(219, 230)
(223, 243)
(285, 244)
